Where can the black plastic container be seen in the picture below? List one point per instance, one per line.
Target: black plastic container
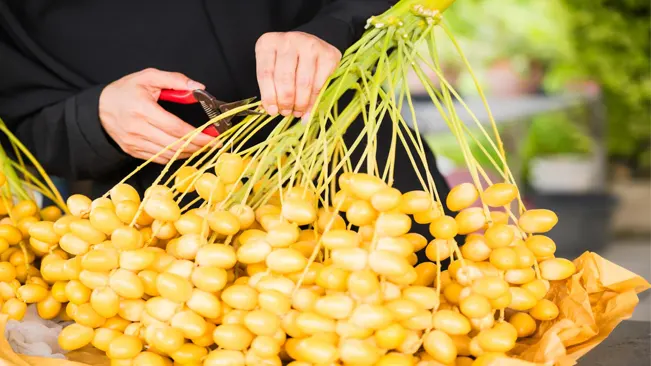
(584, 220)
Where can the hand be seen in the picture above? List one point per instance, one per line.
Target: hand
(292, 68)
(130, 114)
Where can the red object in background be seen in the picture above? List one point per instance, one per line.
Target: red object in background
(587, 87)
(503, 79)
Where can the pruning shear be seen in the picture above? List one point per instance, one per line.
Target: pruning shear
(210, 105)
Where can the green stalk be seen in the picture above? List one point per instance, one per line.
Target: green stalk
(14, 183)
(52, 188)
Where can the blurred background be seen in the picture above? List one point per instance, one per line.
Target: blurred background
(569, 85)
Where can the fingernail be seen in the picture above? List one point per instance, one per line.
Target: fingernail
(272, 110)
(306, 118)
(285, 112)
(192, 85)
(298, 114)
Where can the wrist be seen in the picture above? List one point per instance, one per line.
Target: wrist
(91, 125)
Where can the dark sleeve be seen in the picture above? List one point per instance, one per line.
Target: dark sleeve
(341, 22)
(59, 123)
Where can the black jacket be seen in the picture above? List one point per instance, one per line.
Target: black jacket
(56, 57)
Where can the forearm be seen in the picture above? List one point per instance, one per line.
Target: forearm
(342, 22)
(67, 137)
(58, 122)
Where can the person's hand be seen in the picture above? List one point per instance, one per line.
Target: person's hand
(292, 68)
(131, 115)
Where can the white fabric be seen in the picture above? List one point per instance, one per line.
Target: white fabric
(34, 336)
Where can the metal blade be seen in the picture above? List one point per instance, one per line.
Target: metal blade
(230, 105)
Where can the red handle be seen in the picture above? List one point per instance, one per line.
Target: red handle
(185, 97)
(177, 96)
(211, 131)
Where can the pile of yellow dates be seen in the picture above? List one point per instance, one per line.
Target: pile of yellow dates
(292, 283)
(27, 240)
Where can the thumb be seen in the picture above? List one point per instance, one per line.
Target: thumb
(166, 80)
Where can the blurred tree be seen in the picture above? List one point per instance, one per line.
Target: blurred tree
(611, 39)
(605, 41)
(525, 32)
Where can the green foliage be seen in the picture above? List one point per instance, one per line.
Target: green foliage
(547, 135)
(551, 135)
(518, 30)
(607, 41)
(446, 145)
(555, 134)
(512, 28)
(611, 38)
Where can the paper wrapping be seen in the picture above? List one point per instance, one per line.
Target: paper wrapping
(592, 302)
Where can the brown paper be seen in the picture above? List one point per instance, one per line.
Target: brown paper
(592, 303)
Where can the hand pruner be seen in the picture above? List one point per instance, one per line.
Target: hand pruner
(210, 105)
